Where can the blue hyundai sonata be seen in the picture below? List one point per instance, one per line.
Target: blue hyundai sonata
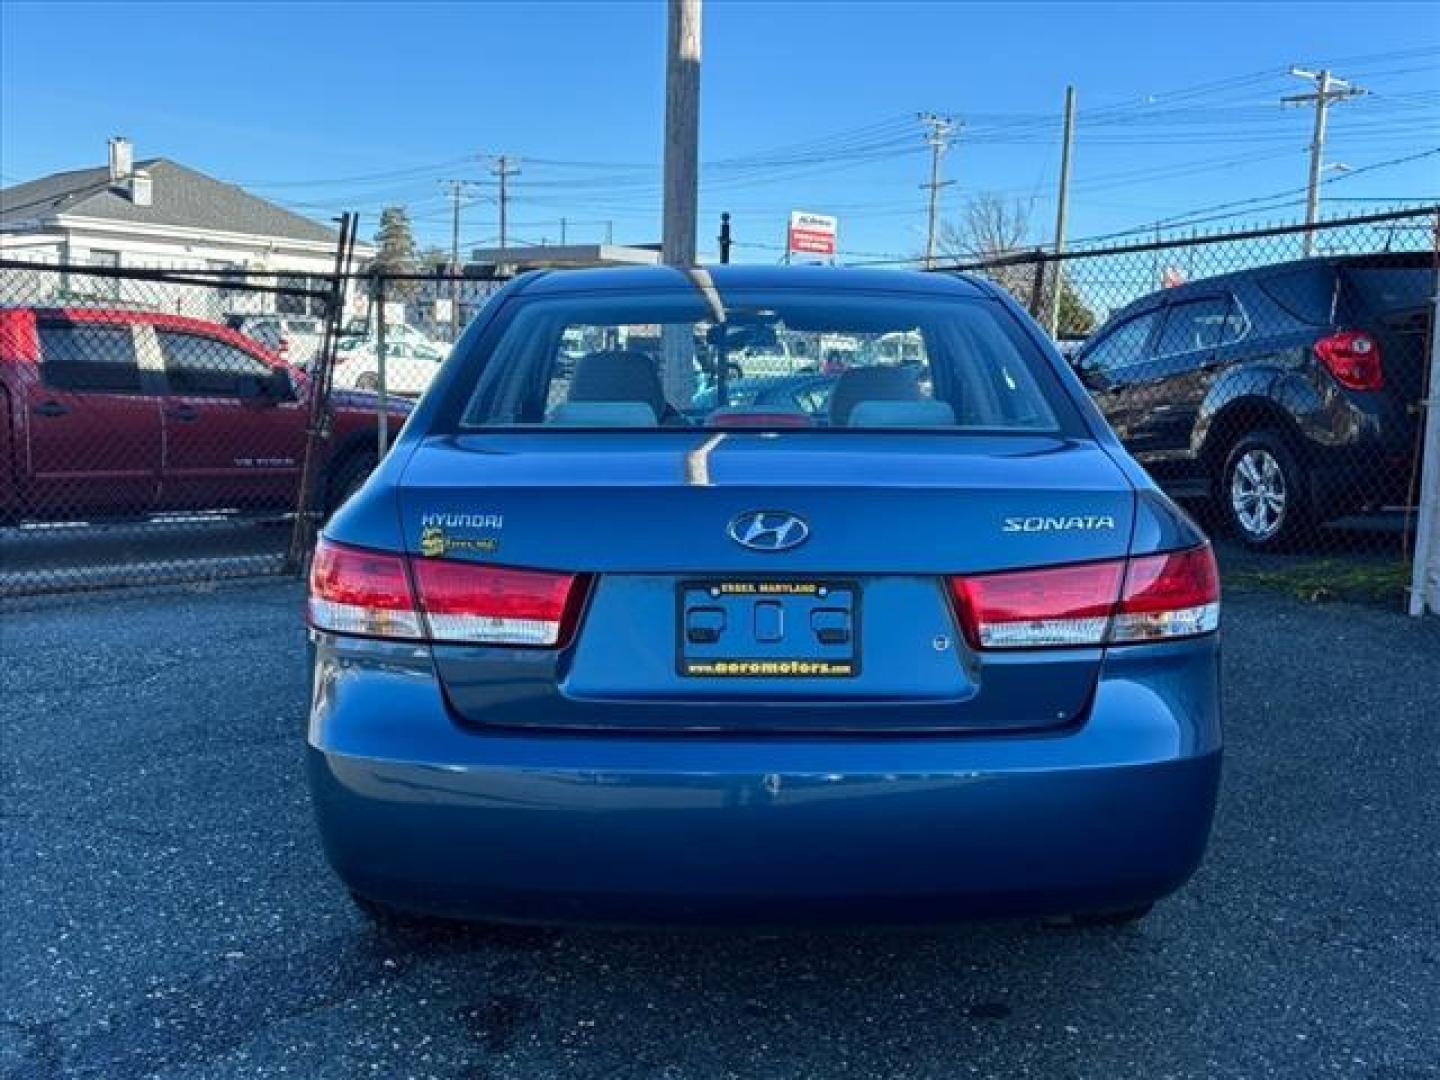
(600, 642)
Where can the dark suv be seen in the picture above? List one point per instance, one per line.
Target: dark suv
(1289, 394)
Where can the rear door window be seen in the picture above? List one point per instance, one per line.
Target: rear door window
(1194, 326)
(711, 358)
(89, 357)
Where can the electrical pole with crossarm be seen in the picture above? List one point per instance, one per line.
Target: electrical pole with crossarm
(504, 168)
(457, 188)
(1328, 89)
(938, 133)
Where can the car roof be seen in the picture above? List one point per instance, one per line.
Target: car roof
(825, 278)
(1378, 260)
(161, 320)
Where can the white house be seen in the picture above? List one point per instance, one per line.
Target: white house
(159, 214)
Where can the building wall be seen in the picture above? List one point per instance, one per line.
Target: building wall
(258, 260)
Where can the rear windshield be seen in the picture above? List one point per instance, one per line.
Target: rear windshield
(1308, 292)
(1324, 294)
(1390, 288)
(789, 358)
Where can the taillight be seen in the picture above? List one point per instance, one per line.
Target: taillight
(354, 591)
(1168, 596)
(1151, 598)
(496, 605)
(1066, 605)
(1353, 357)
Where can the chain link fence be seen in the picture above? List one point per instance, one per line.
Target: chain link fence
(1274, 379)
(167, 425)
(157, 424)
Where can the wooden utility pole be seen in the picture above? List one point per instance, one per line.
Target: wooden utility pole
(938, 130)
(1062, 209)
(456, 186)
(1328, 89)
(503, 169)
(682, 182)
(457, 189)
(682, 132)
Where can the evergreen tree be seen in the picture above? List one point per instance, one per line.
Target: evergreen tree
(397, 254)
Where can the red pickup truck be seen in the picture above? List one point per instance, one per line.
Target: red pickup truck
(121, 413)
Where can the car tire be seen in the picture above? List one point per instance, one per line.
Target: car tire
(346, 477)
(1263, 493)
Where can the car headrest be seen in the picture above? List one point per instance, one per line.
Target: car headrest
(923, 413)
(625, 414)
(878, 383)
(618, 375)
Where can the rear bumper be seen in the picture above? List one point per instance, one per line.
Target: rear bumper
(422, 814)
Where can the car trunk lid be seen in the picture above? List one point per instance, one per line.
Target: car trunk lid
(649, 518)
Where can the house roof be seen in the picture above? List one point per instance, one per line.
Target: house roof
(181, 198)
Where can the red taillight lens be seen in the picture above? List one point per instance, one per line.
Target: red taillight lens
(354, 591)
(1353, 357)
(1145, 599)
(468, 603)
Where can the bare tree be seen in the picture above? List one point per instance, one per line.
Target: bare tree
(993, 228)
(989, 226)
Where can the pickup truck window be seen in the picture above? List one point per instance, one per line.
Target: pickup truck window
(195, 364)
(89, 357)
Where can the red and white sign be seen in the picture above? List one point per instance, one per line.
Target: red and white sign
(811, 234)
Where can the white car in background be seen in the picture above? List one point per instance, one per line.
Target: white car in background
(408, 367)
(297, 339)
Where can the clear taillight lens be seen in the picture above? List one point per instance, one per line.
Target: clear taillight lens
(354, 591)
(1151, 598)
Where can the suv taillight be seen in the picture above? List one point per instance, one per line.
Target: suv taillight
(1353, 357)
(377, 594)
(1119, 601)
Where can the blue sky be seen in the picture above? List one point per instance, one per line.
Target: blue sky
(805, 105)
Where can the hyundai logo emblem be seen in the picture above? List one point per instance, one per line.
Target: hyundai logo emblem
(768, 530)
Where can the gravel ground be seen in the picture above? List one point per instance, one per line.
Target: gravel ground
(166, 910)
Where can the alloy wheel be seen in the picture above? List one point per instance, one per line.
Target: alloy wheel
(1258, 494)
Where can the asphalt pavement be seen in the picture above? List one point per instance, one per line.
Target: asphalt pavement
(62, 557)
(165, 910)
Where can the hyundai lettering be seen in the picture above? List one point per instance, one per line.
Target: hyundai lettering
(604, 639)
